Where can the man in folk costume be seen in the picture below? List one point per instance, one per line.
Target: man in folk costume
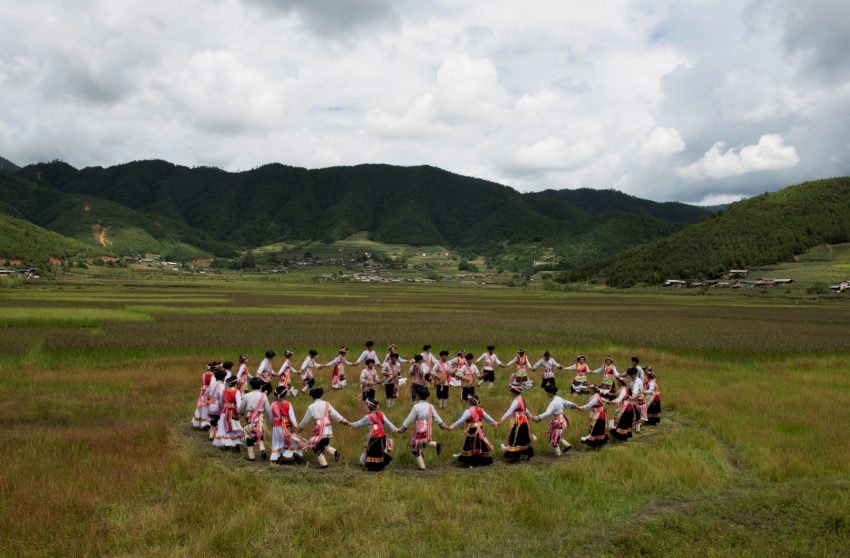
(559, 422)
(521, 365)
(548, 364)
(310, 364)
(607, 388)
(286, 444)
(201, 418)
(338, 374)
(441, 373)
(266, 371)
(468, 374)
(254, 405)
(285, 374)
(637, 396)
(421, 417)
(488, 372)
(321, 412)
(579, 384)
(217, 386)
(242, 373)
(417, 376)
(376, 454)
(598, 435)
(368, 353)
(391, 371)
(477, 450)
(229, 433)
(428, 361)
(624, 415)
(368, 380)
(636, 365)
(520, 437)
(653, 395)
(392, 349)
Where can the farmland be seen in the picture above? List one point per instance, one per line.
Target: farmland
(98, 383)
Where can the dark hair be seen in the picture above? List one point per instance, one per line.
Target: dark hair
(220, 375)
(423, 393)
(317, 393)
(547, 354)
(313, 352)
(370, 343)
(551, 389)
(370, 361)
(280, 391)
(636, 360)
(255, 383)
(469, 356)
(631, 371)
(621, 380)
(444, 353)
(227, 365)
(393, 355)
(474, 399)
(270, 353)
(372, 403)
(426, 347)
(491, 347)
(417, 358)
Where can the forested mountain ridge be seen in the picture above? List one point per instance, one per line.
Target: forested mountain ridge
(762, 230)
(30, 244)
(600, 202)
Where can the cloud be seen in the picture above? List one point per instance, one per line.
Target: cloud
(554, 154)
(720, 199)
(469, 89)
(745, 96)
(770, 153)
(661, 143)
(333, 17)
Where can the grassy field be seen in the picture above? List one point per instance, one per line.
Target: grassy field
(100, 459)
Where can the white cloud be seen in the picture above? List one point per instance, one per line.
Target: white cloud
(469, 89)
(745, 96)
(721, 199)
(661, 143)
(770, 153)
(554, 154)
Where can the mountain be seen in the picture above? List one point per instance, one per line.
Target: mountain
(7, 165)
(758, 231)
(600, 202)
(102, 223)
(411, 205)
(33, 245)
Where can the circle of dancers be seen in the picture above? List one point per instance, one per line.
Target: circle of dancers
(235, 416)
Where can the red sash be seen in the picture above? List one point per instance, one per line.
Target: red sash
(377, 429)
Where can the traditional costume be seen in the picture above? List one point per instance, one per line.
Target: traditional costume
(217, 386)
(428, 361)
(548, 375)
(653, 395)
(321, 412)
(488, 372)
(579, 384)
(607, 388)
(422, 416)
(391, 371)
(201, 419)
(638, 398)
(442, 373)
(338, 374)
(229, 432)
(307, 379)
(253, 406)
(417, 376)
(242, 374)
(368, 353)
(624, 416)
(286, 444)
(598, 435)
(368, 380)
(285, 374)
(469, 373)
(376, 454)
(520, 375)
(392, 349)
(559, 422)
(266, 371)
(477, 450)
(520, 437)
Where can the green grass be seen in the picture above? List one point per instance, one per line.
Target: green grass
(62, 317)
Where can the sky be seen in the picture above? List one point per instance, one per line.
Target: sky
(700, 101)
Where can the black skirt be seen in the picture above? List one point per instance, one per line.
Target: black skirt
(598, 437)
(389, 390)
(376, 458)
(653, 412)
(519, 442)
(442, 392)
(623, 428)
(476, 451)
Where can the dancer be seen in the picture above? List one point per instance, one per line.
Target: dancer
(520, 437)
(201, 418)
(338, 374)
(469, 373)
(442, 378)
(477, 450)
(624, 416)
(559, 422)
(488, 374)
(229, 433)
(579, 384)
(520, 364)
(637, 396)
(598, 435)
(428, 361)
(368, 380)
(548, 363)
(636, 365)
(391, 371)
(322, 412)
(376, 454)
(217, 386)
(307, 379)
(253, 407)
(266, 371)
(285, 374)
(392, 349)
(242, 373)
(368, 353)
(653, 395)
(417, 374)
(286, 445)
(422, 416)
(607, 388)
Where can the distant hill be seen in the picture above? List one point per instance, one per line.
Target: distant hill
(35, 246)
(7, 165)
(600, 202)
(758, 231)
(419, 206)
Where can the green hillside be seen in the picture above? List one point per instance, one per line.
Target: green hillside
(759, 231)
(600, 202)
(35, 246)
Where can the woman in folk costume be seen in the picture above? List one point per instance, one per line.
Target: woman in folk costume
(392, 349)
(548, 375)
(338, 374)
(653, 395)
(242, 373)
(310, 364)
(421, 417)
(637, 396)
(469, 374)
(624, 415)
(214, 396)
(598, 435)
(229, 433)
(477, 450)
(368, 380)
(418, 376)
(580, 380)
(266, 371)
(201, 419)
(391, 371)
(254, 405)
(286, 444)
(607, 388)
(321, 412)
(488, 373)
(520, 437)
(368, 353)
(441, 374)
(285, 374)
(376, 454)
(521, 365)
(559, 422)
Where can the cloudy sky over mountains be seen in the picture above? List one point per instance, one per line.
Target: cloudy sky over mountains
(691, 100)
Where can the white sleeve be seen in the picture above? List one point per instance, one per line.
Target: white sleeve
(573, 367)
(537, 364)
(292, 418)
(410, 419)
(388, 423)
(487, 417)
(496, 359)
(598, 370)
(511, 409)
(549, 410)
(512, 361)
(462, 419)
(335, 415)
(362, 422)
(481, 358)
(621, 396)
(306, 420)
(435, 417)
(554, 363)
